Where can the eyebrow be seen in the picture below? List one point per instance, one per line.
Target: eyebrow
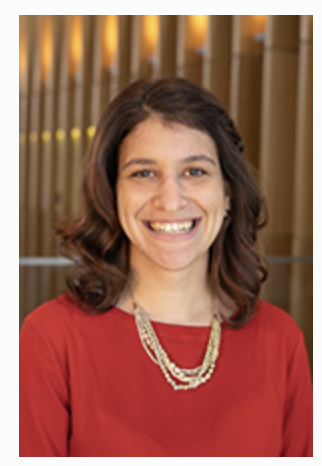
(199, 158)
(190, 159)
(140, 161)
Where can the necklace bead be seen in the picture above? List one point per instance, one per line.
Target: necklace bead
(179, 378)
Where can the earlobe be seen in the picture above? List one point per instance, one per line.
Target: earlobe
(227, 202)
(228, 193)
(227, 206)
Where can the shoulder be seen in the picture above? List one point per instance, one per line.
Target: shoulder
(55, 329)
(272, 315)
(55, 317)
(268, 312)
(276, 323)
(62, 321)
(54, 311)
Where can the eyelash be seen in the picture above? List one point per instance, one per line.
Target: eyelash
(145, 173)
(196, 172)
(190, 172)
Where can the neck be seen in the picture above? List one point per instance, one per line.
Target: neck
(178, 297)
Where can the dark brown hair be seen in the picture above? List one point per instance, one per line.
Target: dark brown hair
(95, 239)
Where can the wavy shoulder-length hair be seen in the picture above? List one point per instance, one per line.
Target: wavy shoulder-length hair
(95, 239)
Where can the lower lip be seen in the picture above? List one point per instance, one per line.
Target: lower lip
(175, 237)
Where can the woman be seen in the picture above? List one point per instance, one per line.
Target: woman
(162, 347)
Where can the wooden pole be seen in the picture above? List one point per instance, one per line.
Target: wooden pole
(120, 69)
(191, 38)
(165, 50)
(278, 128)
(301, 306)
(217, 58)
(246, 80)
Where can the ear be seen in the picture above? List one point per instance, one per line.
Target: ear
(227, 204)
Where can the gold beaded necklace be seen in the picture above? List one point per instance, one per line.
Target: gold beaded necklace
(177, 377)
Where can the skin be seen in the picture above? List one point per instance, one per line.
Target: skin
(169, 174)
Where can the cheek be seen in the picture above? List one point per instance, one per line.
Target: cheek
(121, 205)
(127, 209)
(215, 204)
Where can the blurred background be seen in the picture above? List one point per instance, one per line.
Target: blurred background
(261, 69)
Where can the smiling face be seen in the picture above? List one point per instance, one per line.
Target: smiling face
(171, 197)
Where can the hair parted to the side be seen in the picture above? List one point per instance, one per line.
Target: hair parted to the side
(95, 239)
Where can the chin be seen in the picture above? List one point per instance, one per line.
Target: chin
(173, 263)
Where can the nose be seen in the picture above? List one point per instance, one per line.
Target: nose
(170, 195)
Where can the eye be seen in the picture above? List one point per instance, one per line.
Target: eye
(145, 173)
(195, 172)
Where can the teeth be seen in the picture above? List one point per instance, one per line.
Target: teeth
(172, 228)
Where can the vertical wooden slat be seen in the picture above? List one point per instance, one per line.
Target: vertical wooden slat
(278, 143)
(139, 65)
(66, 108)
(48, 156)
(100, 83)
(145, 31)
(105, 43)
(65, 121)
(51, 58)
(75, 133)
(191, 36)
(82, 31)
(25, 66)
(302, 245)
(165, 52)
(217, 58)
(120, 70)
(82, 117)
(33, 232)
(48, 139)
(36, 127)
(303, 198)
(246, 80)
(24, 108)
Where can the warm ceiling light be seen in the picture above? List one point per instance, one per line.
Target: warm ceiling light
(46, 48)
(22, 47)
(150, 33)
(76, 45)
(110, 39)
(33, 136)
(197, 30)
(46, 135)
(75, 133)
(60, 134)
(90, 131)
(259, 22)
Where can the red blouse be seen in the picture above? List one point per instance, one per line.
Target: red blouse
(88, 388)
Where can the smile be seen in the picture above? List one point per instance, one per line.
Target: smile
(172, 228)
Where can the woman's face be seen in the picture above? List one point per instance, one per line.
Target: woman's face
(170, 195)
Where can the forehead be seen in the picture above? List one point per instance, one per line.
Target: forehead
(162, 138)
